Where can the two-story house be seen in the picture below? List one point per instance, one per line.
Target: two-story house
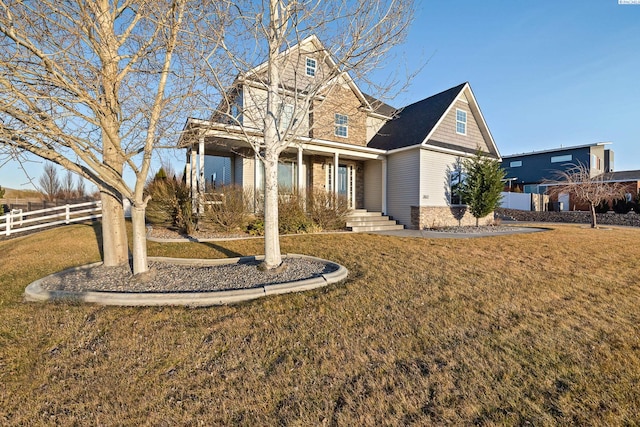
(533, 172)
(401, 162)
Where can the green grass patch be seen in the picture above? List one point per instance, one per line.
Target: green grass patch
(539, 328)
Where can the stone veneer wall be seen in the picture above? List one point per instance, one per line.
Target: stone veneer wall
(448, 216)
(359, 185)
(631, 219)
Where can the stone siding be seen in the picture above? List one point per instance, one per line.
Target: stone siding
(317, 178)
(359, 185)
(450, 216)
(341, 100)
(631, 219)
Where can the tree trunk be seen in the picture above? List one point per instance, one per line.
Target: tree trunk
(272, 256)
(139, 239)
(593, 215)
(114, 232)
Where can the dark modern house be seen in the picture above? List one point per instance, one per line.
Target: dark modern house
(527, 171)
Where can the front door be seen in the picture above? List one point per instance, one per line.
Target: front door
(343, 180)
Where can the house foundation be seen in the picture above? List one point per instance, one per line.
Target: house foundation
(444, 216)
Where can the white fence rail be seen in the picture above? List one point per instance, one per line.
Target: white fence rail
(18, 221)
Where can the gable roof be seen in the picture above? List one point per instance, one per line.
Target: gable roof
(317, 45)
(414, 122)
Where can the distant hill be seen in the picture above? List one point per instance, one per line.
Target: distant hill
(12, 193)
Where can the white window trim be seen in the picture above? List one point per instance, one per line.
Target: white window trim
(459, 121)
(336, 125)
(306, 66)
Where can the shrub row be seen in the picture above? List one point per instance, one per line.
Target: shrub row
(230, 210)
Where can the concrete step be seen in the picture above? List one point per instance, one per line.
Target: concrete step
(363, 220)
(368, 222)
(362, 213)
(386, 227)
(367, 218)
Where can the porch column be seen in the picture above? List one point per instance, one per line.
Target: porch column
(300, 174)
(256, 170)
(384, 185)
(201, 174)
(335, 172)
(193, 178)
(187, 171)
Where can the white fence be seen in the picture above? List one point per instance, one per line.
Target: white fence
(18, 221)
(524, 201)
(520, 201)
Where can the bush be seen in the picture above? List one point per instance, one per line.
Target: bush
(622, 206)
(226, 209)
(602, 207)
(292, 219)
(328, 210)
(170, 204)
(256, 227)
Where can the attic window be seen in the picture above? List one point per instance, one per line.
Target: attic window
(311, 67)
(461, 122)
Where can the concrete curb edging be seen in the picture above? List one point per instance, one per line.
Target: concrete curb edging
(35, 293)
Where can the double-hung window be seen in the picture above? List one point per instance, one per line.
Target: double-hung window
(461, 122)
(342, 125)
(311, 67)
(285, 115)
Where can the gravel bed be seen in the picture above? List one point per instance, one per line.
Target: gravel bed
(166, 277)
(475, 230)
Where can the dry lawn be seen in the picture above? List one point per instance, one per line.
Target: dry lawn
(538, 328)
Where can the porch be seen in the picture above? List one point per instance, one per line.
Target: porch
(357, 173)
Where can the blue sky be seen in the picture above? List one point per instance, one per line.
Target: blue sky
(545, 73)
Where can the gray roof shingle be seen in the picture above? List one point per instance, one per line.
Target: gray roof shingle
(414, 122)
(379, 106)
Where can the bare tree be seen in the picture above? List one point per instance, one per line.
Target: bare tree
(80, 190)
(67, 186)
(95, 86)
(49, 183)
(578, 182)
(347, 39)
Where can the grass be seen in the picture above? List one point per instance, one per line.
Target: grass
(539, 328)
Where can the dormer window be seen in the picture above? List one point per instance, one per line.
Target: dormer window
(461, 122)
(311, 67)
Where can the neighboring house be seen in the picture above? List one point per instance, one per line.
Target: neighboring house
(532, 172)
(630, 179)
(401, 162)
(527, 171)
